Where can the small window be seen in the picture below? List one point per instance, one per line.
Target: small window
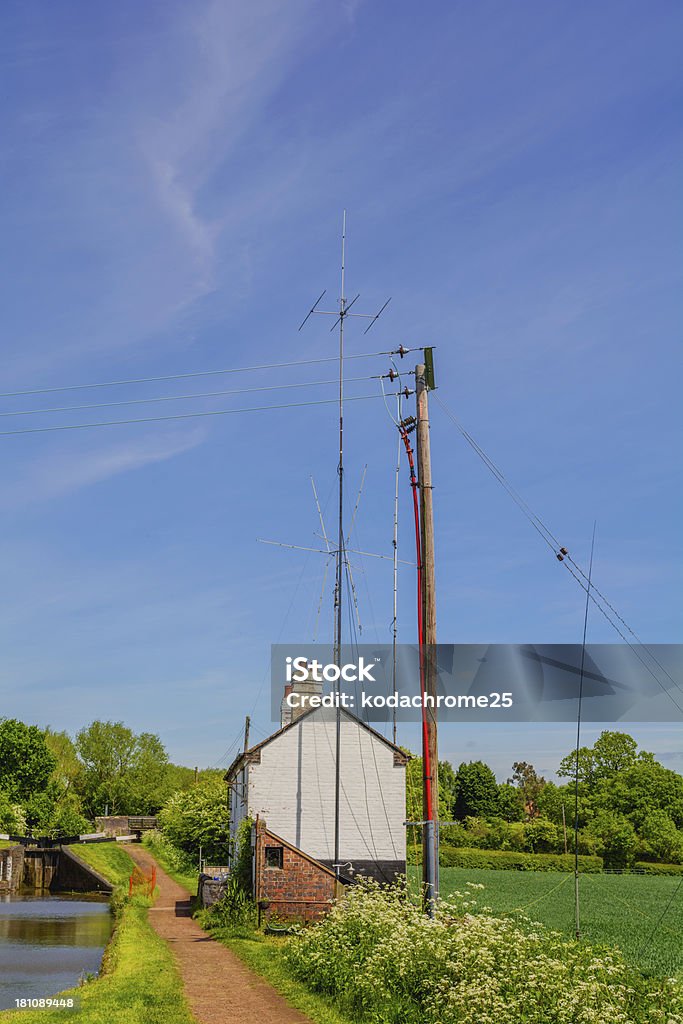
(274, 857)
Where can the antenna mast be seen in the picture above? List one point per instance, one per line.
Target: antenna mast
(340, 561)
(577, 918)
(341, 314)
(340, 473)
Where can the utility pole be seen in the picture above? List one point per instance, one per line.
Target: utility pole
(247, 723)
(424, 378)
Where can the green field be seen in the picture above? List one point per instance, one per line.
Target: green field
(616, 910)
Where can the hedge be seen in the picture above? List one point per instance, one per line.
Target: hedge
(460, 857)
(658, 869)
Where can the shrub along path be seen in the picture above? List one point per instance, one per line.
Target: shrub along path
(218, 986)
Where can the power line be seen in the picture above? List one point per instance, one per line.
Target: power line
(554, 544)
(182, 398)
(181, 416)
(184, 376)
(226, 754)
(623, 622)
(627, 641)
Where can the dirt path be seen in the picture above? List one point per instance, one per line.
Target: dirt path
(219, 987)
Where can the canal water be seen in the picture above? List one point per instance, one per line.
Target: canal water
(48, 942)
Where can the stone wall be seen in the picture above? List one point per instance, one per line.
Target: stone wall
(113, 825)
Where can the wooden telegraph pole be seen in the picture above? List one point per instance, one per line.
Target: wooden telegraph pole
(424, 381)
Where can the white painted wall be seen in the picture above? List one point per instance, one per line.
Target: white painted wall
(293, 789)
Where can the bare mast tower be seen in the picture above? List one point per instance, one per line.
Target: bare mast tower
(341, 314)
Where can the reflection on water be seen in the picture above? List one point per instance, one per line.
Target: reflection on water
(48, 941)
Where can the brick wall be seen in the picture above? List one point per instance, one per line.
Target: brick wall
(301, 890)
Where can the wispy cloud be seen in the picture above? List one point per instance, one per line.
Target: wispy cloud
(47, 477)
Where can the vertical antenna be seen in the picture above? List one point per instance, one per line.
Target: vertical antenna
(577, 919)
(340, 559)
(340, 316)
(340, 466)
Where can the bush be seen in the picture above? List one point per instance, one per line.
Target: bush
(383, 960)
(198, 817)
(456, 857)
(658, 869)
(67, 821)
(177, 860)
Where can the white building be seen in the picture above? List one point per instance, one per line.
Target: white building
(289, 780)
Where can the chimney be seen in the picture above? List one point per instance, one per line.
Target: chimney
(305, 688)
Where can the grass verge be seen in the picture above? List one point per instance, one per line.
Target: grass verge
(172, 861)
(139, 983)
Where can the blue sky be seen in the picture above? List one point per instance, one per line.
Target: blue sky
(173, 178)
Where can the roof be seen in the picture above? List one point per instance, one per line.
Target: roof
(248, 755)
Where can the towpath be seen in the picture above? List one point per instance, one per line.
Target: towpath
(219, 988)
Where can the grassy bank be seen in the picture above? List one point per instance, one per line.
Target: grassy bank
(616, 910)
(139, 983)
(110, 859)
(173, 861)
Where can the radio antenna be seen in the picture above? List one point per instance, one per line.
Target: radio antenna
(341, 314)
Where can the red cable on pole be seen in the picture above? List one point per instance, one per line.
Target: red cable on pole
(426, 763)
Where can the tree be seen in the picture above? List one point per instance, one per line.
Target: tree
(121, 771)
(660, 838)
(551, 800)
(476, 791)
(25, 761)
(67, 820)
(617, 838)
(68, 768)
(611, 753)
(148, 778)
(529, 783)
(11, 816)
(510, 802)
(414, 782)
(198, 817)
